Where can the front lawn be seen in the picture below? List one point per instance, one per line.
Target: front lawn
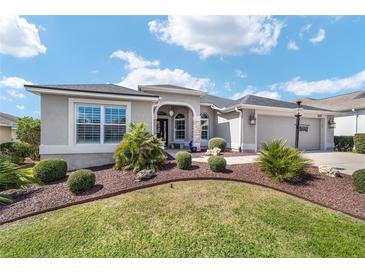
(191, 219)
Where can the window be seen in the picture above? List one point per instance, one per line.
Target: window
(204, 122)
(180, 127)
(100, 124)
(88, 124)
(114, 124)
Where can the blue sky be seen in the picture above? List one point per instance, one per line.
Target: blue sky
(282, 57)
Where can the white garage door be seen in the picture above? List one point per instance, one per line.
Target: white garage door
(276, 127)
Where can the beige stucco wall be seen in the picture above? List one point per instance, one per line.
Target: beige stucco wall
(54, 117)
(54, 120)
(227, 127)
(5, 134)
(248, 131)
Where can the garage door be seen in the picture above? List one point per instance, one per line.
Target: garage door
(276, 127)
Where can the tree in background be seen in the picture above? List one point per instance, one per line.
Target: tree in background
(29, 130)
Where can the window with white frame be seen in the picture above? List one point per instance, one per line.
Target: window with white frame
(100, 123)
(180, 126)
(204, 122)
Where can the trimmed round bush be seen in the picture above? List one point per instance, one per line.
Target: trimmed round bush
(217, 163)
(217, 142)
(50, 170)
(183, 159)
(81, 180)
(358, 180)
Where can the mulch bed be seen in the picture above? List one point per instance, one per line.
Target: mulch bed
(228, 153)
(335, 193)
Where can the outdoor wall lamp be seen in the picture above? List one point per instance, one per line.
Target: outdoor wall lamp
(331, 123)
(171, 112)
(252, 119)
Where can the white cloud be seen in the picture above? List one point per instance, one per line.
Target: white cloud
(94, 71)
(292, 45)
(16, 94)
(304, 88)
(19, 38)
(253, 91)
(304, 29)
(240, 74)
(219, 35)
(145, 72)
(319, 37)
(20, 107)
(133, 61)
(13, 82)
(227, 86)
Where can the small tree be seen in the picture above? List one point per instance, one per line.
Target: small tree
(139, 150)
(29, 130)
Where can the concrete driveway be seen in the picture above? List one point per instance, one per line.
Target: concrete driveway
(346, 162)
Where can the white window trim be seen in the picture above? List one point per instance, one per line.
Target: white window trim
(179, 119)
(72, 102)
(204, 119)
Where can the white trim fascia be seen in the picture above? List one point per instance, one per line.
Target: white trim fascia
(77, 149)
(72, 110)
(39, 91)
(288, 114)
(206, 104)
(173, 90)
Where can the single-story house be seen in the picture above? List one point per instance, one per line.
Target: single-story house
(7, 127)
(84, 123)
(349, 108)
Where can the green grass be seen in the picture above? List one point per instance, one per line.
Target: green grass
(192, 219)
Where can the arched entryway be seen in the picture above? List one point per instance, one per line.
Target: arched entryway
(177, 123)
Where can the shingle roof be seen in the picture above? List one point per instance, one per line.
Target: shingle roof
(97, 88)
(216, 100)
(7, 119)
(252, 100)
(344, 102)
(165, 86)
(263, 101)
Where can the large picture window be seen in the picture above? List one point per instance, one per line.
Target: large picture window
(100, 123)
(204, 122)
(180, 126)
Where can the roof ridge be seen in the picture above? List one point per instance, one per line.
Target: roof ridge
(338, 95)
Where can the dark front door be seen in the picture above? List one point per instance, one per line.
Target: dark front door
(162, 130)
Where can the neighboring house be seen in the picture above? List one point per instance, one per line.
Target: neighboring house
(7, 127)
(350, 111)
(84, 123)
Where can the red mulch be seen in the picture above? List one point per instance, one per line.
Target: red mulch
(335, 193)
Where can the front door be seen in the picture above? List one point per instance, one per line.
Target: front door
(162, 130)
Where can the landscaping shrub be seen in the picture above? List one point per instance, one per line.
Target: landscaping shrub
(282, 163)
(358, 180)
(359, 141)
(29, 130)
(183, 159)
(15, 152)
(50, 170)
(139, 150)
(81, 180)
(344, 143)
(217, 163)
(217, 142)
(13, 177)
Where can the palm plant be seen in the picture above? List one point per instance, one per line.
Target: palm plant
(281, 162)
(139, 150)
(13, 177)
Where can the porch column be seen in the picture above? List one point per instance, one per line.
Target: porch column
(196, 132)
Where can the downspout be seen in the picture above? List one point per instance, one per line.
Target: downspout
(356, 119)
(240, 128)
